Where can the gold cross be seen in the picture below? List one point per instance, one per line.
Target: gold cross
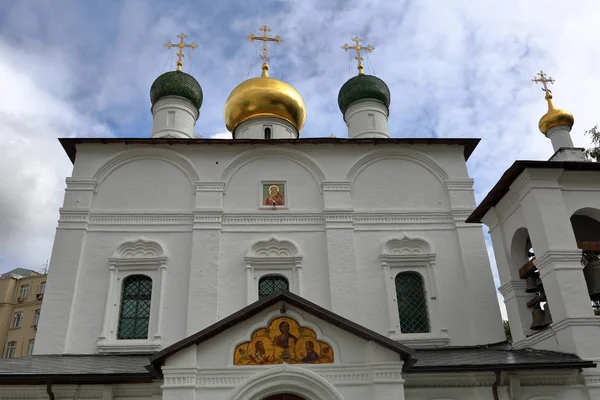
(358, 48)
(181, 46)
(544, 80)
(264, 38)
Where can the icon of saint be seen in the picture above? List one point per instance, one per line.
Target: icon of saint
(311, 354)
(285, 340)
(274, 198)
(259, 356)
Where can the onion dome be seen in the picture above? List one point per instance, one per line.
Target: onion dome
(177, 83)
(264, 97)
(554, 117)
(362, 87)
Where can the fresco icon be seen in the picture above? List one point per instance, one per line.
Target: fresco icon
(283, 340)
(273, 194)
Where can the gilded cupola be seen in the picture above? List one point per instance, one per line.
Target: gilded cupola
(276, 109)
(264, 97)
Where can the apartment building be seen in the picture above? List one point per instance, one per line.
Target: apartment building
(21, 295)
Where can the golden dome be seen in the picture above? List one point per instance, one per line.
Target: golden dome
(554, 117)
(264, 97)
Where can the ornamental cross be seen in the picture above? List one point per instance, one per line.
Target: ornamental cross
(181, 46)
(544, 80)
(264, 38)
(357, 47)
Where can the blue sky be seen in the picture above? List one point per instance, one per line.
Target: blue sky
(455, 69)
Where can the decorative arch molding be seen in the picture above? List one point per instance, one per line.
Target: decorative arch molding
(414, 156)
(406, 246)
(128, 156)
(273, 248)
(273, 257)
(140, 248)
(295, 156)
(286, 379)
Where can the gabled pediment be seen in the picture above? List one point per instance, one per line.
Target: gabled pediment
(285, 328)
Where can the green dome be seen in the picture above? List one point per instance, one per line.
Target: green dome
(177, 83)
(363, 87)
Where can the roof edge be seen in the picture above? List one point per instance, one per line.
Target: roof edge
(245, 313)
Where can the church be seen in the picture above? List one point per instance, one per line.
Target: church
(270, 266)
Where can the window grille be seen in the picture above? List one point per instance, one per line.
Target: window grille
(18, 321)
(270, 284)
(11, 347)
(30, 346)
(412, 303)
(267, 133)
(134, 315)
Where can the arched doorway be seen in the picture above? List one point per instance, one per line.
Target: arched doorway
(284, 396)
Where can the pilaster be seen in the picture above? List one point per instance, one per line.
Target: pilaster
(341, 255)
(204, 270)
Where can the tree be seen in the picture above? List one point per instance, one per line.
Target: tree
(594, 152)
(507, 331)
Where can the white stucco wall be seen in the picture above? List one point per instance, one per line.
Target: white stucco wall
(344, 203)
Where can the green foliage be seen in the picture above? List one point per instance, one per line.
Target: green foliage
(507, 331)
(594, 152)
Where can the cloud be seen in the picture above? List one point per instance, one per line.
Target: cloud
(455, 69)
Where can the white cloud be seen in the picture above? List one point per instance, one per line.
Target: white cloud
(221, 135)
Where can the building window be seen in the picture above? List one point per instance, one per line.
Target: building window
(270, 284)
(11, 347)
(30, 347)
(134, 315)
(267, 133)
(42, 287)
(36, 318)
(412, 303)
(24, 291)
(18, 320)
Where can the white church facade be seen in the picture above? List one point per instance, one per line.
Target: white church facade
(271, 266)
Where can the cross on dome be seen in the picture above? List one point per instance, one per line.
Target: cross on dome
(357, 47)
(181, 45)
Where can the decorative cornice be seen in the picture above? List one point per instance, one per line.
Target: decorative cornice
(209, 186)
(461, 215)
(434, 217)
(460, 185)
(340, 186)
(140, 219)
(273, 219)
(128, 346)
(511, 287)
(74, 215)
(423, 340)
(565, 260)
(81, 184)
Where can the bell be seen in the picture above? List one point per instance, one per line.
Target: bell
(537, 317)
(547, 316)
(532, 286)
(591, 272)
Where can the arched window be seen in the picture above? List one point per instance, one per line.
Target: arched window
(412, 303)
(267, 133)
(134, 314)
(271, 283)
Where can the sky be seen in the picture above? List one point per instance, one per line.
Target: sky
(459, 68)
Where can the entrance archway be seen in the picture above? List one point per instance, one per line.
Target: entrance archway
(284, 396)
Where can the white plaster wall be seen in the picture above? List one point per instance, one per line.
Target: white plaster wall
(209, 195)
(255, 129)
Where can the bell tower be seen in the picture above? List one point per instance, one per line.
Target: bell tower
(544, 221)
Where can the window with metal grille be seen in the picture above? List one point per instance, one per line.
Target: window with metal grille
(271, 283)
(134, 315)
(412, 303)
(267, 133)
